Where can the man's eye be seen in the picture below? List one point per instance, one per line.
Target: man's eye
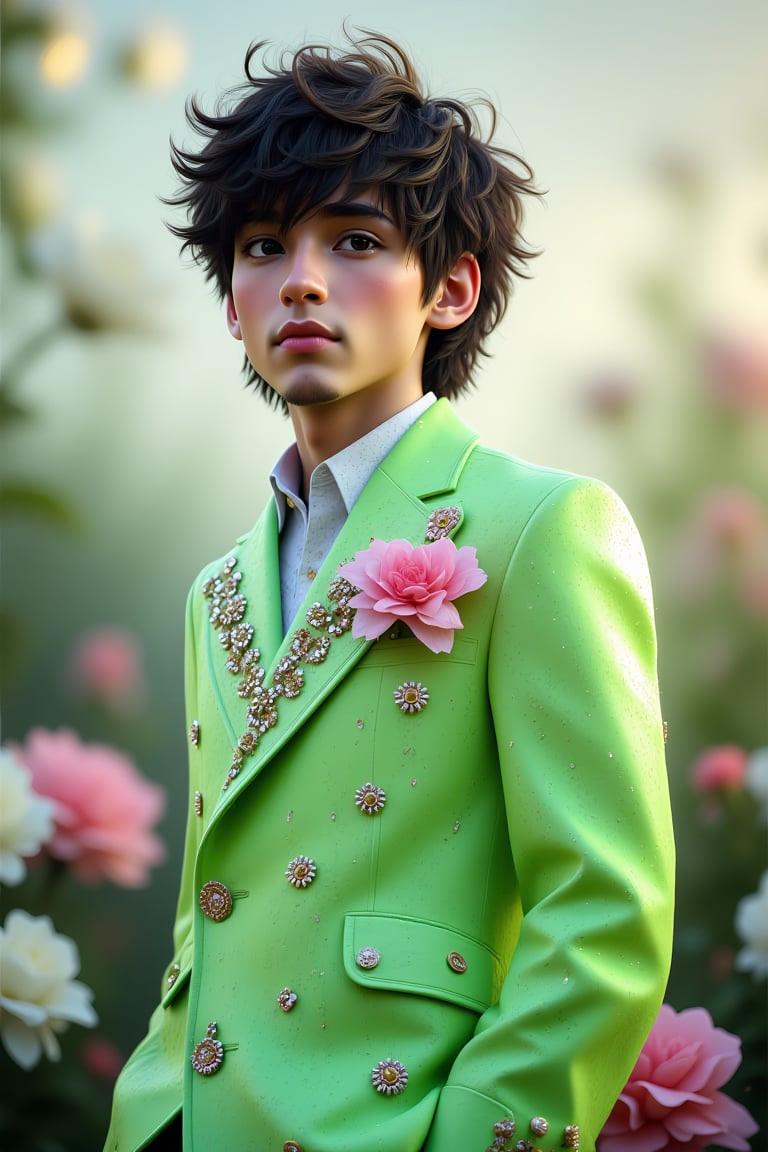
(358, 242)
(264, 246)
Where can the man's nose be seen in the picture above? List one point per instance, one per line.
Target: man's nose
(305, 281)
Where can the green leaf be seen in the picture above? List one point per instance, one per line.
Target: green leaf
(36, 503)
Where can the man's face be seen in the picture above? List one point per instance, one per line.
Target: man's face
(330, 309)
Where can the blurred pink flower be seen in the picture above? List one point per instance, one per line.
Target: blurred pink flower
(105, 809)
(670, 1102)
(610, 395)
(106, 666)
(738, 373)
(417, 584)
(727, 533)
(101, 1059)
(721, 766)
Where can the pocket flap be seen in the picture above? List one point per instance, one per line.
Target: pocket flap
(405, 954)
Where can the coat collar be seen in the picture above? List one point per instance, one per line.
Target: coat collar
(425, 464)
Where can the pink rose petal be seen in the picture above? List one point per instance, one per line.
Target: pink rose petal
(417, 584)
(671, 1101)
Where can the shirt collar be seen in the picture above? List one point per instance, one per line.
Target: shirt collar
(351, 468)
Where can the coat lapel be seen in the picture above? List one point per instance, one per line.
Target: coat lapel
(424, 465)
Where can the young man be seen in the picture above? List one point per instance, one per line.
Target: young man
(426, 896)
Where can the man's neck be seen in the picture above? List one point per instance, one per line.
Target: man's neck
(322, 430)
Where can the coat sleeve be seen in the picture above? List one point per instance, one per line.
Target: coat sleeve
(573, 690)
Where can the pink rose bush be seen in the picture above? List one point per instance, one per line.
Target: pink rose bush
(416, 584)
(718, 767)
(671, 1101)
(106, 666)
(104, 808)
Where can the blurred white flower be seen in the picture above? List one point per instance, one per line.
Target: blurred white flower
(26, 819)
(752, 925)
(102, 283)
(38, 995)
(756, 779)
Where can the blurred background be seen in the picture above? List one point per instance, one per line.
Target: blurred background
(132, 454)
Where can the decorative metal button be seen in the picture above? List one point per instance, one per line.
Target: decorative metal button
(539, 1126)
(215, 900)
(198, 803)
(665, 734)
(287, 999)
(411, 697)
(370, 799)
(571, 1136)
(194, 733)
(367, 958)
(523, 1146)
(389, 1077)
(456, 962)
(505, 1128)
(173, 975)
(441, 522)
(208, 1055)
(291, 1146)
(301, 871)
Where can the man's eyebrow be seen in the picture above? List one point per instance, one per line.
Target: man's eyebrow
(356, 208)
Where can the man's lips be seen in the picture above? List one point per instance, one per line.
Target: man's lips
(304, 336)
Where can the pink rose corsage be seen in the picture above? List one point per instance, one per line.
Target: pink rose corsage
(416, 584)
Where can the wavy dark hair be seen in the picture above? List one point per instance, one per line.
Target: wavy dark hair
(292, 135)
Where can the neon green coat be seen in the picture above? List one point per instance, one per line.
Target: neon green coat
(486, 936)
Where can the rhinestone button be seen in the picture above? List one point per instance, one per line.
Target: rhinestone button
(301, 871)
(367, 958)
(173, 976)
(287, 999)
(370, 799)
(208, 1055)
(292, 1146)
(215, 900)
(456, 962)
(539, 1126)
(389, 1077)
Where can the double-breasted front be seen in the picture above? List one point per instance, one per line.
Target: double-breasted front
(423, 894)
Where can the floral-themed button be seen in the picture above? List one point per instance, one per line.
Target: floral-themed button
(441, 522)
(301, 871)
(208, 1056)
(389, 1077)
(411, 697)
(370, 799)
(367, 958)
(215, 900)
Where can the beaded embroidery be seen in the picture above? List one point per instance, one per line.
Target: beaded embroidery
(226, 609)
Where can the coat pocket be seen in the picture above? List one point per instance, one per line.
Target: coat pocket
(404, 954)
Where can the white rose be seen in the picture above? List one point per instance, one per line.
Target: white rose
(26, 819)
(38, 996)
(752, 925)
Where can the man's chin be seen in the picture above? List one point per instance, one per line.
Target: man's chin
(309, 393)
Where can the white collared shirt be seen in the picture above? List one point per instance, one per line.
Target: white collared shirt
(307, 534)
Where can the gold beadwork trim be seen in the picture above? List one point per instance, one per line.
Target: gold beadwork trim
(226, 609)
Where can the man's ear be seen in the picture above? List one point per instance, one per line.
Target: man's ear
(232, 321)
(458, 298)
